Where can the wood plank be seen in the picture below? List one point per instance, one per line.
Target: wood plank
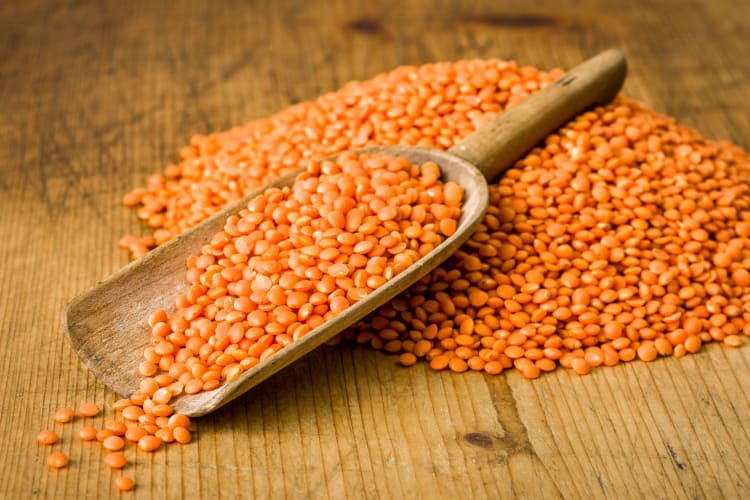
(95, 96)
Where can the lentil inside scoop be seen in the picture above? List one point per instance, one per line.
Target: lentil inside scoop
(296, 257)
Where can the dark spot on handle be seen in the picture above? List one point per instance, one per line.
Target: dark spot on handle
(508, 20)
(566, 80)
(479, 439)
(366, 26)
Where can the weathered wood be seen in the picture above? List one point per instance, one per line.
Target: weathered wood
(94, 96)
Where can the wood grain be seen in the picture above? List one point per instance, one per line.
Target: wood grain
(94, 96)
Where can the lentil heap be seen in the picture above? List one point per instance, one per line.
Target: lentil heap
(623, 236)
(434, 105)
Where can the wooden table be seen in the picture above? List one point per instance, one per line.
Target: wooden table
(95, 97)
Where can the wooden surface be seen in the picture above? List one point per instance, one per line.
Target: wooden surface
(94, 96)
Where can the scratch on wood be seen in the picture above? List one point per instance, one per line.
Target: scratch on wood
(676, 459)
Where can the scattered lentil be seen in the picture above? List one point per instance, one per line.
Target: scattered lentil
(87, 433)
(88, 410)
(57, 460)
(124, 483)
(47, 437)
(64, 415)
(115, 460)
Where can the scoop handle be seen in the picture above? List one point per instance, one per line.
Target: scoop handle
(497, 145)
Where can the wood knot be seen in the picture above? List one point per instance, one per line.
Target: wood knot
(366, 26)
(479, 439)
(513, 20)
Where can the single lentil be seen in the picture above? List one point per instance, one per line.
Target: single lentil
(115, 460)
(124, 483)
(47, 436)
(64, 415)
(88, 410)
(57, 460)
(87, 433)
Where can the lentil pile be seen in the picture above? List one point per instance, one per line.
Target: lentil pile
(623, 236)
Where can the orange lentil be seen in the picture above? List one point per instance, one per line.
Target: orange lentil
(178, 420)
(87, 433)
(88, 410)
(57, 460)
(124, 483)
(458, 365)
(182, 435)
(407, 359)
(165, 435)
(693, 344)
(103, 434)
(439, 362)
(115, 460)
(47, 437)
(580, 366)
(134, 434)
(149, 443)
(64, 415)
(132, 412)
(116, 428)
(733, 340)
(113, 443)
(647, 351)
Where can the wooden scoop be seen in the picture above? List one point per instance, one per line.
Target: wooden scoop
(107, 325)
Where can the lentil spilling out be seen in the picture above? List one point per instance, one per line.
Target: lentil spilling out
(623, 236)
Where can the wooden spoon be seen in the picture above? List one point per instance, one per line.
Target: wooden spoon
(107, 325)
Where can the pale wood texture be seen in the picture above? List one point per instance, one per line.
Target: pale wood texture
(106, 324)
(95, 96)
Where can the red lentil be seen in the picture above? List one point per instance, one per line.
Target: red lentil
(113, 443)
(87, 433)
(64, 415)
(294, 258)
(47, 437)
(115, 460)
(88, 410)
(638, 243)
(57, 460)
(124, 483)
(149, 443)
